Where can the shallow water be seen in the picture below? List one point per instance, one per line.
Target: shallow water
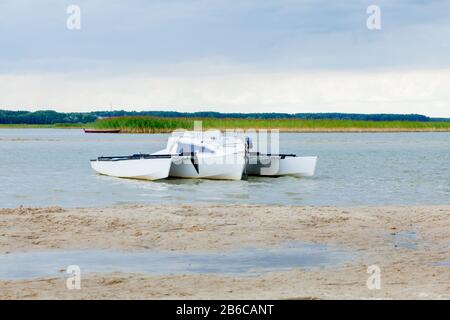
(405, 239)
(246, 261)
(42, 167)
(444, 263)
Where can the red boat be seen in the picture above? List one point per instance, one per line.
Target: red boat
(101, 131)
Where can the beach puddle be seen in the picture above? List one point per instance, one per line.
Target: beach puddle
(443, 264)
(246, 261)
(405, 239)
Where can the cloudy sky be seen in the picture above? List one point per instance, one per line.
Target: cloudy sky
(226, 55)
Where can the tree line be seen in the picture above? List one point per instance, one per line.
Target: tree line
(53, 117)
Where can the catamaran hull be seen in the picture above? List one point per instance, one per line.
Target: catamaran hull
(143, 169)
(281, 166)
(211, 168)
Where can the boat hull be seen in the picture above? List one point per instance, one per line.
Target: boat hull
(211, 168)
(281, 166)
(143, 169)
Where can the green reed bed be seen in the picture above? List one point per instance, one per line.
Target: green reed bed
(155, 125)
(144, 124)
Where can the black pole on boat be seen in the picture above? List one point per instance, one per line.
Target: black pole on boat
(248, 145)
(194, 159)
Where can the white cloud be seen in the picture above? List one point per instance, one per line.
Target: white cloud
(418, 91)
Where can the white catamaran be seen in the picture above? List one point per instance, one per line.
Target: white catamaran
(209, 155)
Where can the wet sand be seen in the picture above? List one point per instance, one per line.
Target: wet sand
(409, 266)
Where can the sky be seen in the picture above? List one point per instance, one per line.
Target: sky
(226, 55)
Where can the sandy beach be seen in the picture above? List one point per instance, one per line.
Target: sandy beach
(413, 271)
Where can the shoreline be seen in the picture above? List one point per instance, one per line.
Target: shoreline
(369, 231)
(282, 130)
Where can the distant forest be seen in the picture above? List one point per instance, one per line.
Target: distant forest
(53, 117)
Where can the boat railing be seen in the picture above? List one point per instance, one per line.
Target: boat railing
(281, 155)
(137, 157)
(167, 156)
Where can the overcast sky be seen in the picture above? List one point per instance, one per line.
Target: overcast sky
(226, 55)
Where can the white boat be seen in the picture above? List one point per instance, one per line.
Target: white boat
(188, 154)
(208, 155)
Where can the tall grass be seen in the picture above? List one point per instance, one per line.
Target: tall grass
(159, 125)
(144, 124)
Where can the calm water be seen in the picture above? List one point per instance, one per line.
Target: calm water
(42, 167)
(245, 261)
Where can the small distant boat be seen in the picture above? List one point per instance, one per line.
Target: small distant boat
(101, 130)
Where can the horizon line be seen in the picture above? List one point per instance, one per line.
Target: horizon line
(228, 113)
